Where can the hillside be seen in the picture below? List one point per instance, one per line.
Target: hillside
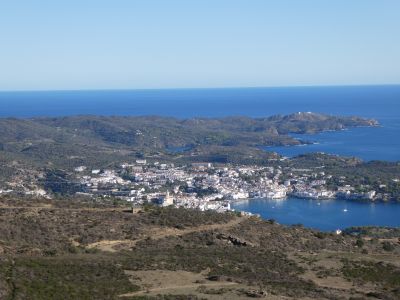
(66, 141)
(80, 250)
(163, 132)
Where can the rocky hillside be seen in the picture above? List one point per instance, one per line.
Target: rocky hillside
(80, 250)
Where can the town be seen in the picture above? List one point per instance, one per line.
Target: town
(206, 186)
(203, 186)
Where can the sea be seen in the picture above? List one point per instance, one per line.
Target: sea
(379, 143)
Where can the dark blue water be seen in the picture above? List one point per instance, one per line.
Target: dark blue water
(367, 143)
(369, 101)
(325, 215)
(379, 102)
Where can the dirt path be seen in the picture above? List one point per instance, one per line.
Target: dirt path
(160, 233)
(177, 288)
(50, 207)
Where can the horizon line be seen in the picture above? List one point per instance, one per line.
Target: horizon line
(199, 88)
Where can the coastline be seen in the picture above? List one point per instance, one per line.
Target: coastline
(290, 195)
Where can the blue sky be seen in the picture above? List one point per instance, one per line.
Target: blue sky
(102, 44)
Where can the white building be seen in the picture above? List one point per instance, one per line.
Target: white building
(168, 200)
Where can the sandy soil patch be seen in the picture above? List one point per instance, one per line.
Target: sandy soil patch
(159, 233)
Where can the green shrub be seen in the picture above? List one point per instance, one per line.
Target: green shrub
(359, 243)
(387, 246)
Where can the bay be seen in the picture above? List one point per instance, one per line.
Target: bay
(367, 143)
(326, 215)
